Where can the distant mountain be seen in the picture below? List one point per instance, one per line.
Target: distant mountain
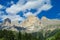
(45, 21)
(50, 24)
(7, 22)
(30, 24)
(9, 25)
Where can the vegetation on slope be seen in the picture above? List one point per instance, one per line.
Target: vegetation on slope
(10, 35)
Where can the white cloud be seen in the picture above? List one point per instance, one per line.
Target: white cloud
(1, 6)
(43, 8)
(46, 7)
(35, 4)
(1, 12)
(12, 17)
(12, 2)
(27, 14)
(31, 4)
(13, 9)
(21, 2)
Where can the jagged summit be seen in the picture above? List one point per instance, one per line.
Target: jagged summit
(7, 20)
(44, 18)
(32, 23)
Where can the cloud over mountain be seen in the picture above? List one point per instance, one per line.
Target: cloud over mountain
(13, 17)
(23, 5)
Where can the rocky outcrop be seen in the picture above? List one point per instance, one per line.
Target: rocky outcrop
(45, 21)
(7, 22)
(50, 24)
(32, 23)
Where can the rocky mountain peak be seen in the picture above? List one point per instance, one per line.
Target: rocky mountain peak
(31, 19)
(32, 23)
(44, 18)
(7, 20)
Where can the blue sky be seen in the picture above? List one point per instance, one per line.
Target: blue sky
(52, 13)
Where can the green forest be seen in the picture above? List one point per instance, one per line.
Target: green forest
(11, 35)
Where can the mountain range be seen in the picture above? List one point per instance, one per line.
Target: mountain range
(30, 24)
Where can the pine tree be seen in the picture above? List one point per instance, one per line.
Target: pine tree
(19, 36)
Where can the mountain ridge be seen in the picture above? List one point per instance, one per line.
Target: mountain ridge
(31, 24)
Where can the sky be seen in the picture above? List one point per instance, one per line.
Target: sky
(20, 9)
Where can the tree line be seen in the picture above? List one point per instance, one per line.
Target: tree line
(10, 35)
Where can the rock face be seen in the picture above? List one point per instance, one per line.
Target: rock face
(9, 25)
(50, 24)
(32, 23)
(7, 22)
(45, 21)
